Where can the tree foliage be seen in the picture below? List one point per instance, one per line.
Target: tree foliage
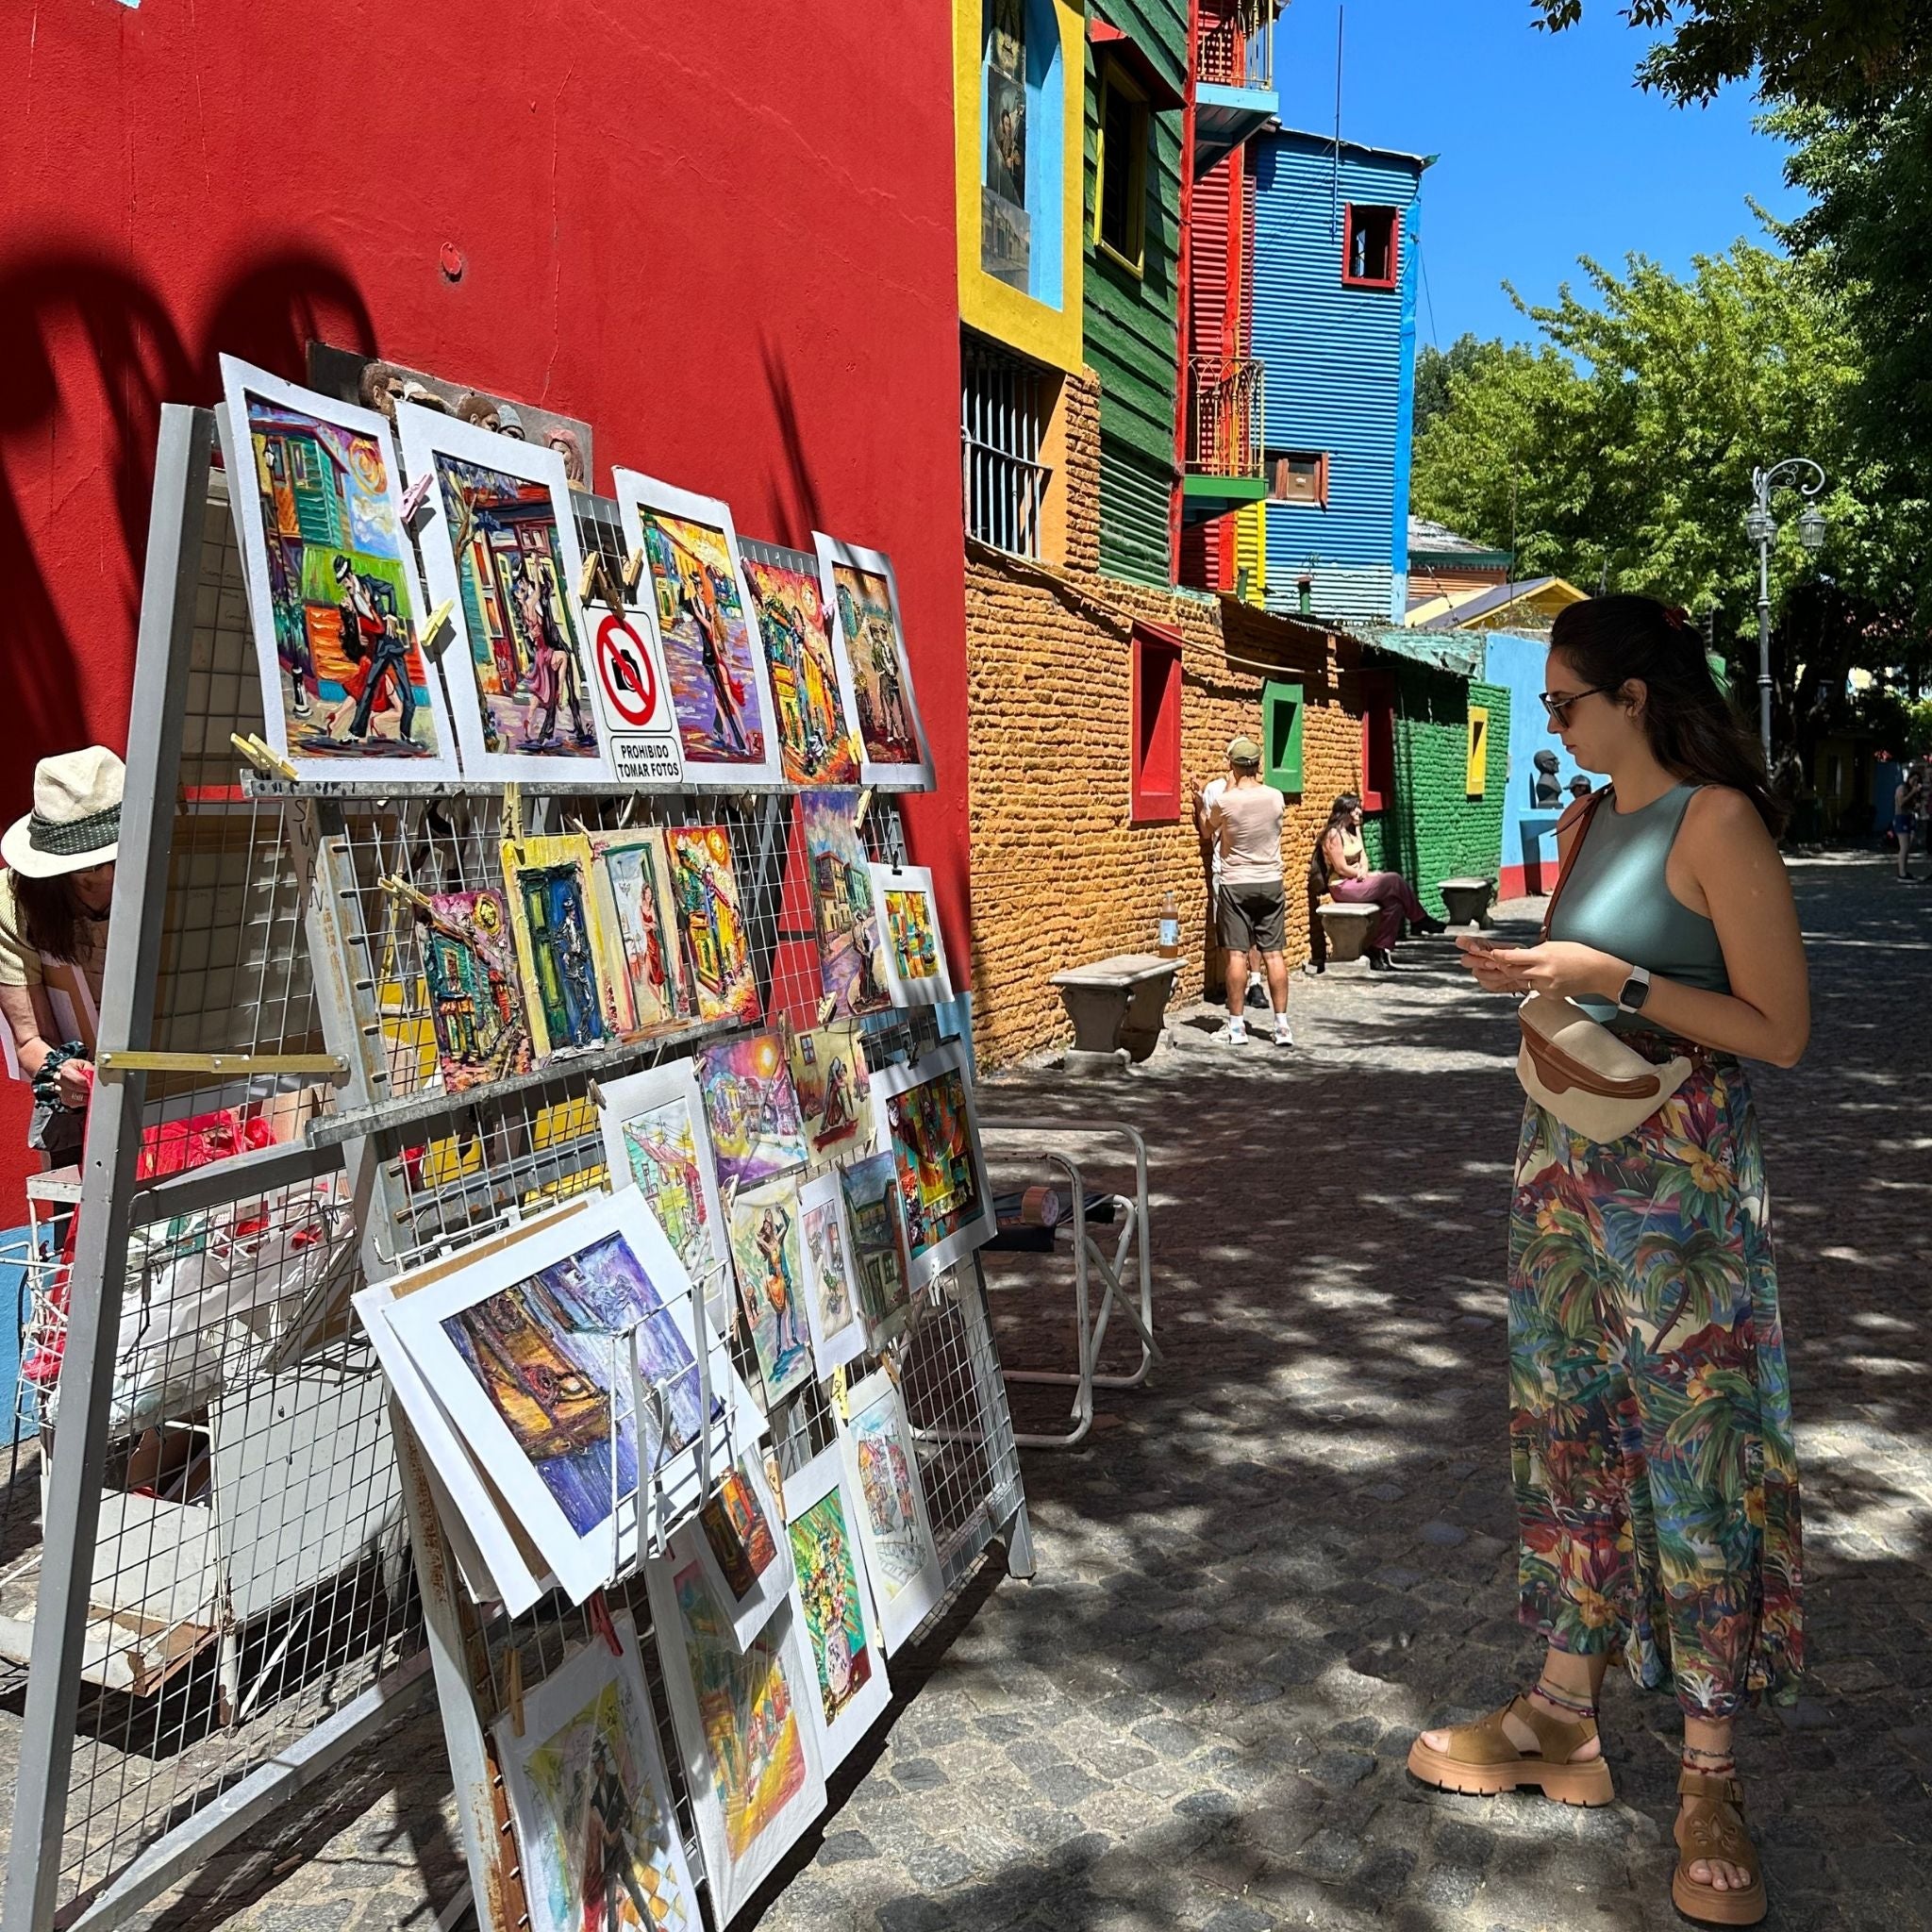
(1842, 55)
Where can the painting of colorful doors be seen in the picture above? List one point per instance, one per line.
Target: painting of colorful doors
(503, 550)
(710, 923)
(763, 1222)
(861, 592)
(751, 1108)
(712, 649)
(914, 959)
(843, 909)
(818, 741)
(828, 1074)
(631, 874)
(877, 1227)
(476, 1001)
(560, 940)
(333, 599)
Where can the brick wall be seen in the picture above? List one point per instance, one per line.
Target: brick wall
(1060, 876)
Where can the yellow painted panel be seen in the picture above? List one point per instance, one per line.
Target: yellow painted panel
(1478, 750)
(1251, 550)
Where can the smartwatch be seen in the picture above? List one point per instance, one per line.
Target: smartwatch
(1636, 990)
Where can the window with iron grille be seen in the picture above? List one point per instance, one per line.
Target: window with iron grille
(1006, 404)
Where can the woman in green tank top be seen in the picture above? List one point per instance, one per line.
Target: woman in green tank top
(1650, 1429)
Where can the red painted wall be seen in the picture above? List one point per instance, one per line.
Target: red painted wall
(725, 239)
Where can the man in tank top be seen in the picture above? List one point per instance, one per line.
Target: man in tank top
(1245, 822)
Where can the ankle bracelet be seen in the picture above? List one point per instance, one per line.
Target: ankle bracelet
(1563, 1703)
(1715, 1763)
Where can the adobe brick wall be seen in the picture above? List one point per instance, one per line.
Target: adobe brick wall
(1059, 874)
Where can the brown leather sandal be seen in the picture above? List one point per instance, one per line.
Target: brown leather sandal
(1712, 1825)
(1482, 1758)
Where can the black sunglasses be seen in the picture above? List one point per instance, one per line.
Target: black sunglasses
(1559, 709)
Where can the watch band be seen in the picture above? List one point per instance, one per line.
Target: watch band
(1636, 990)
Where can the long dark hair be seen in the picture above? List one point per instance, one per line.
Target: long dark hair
(49, 915)
(1340, 813)
(1693, 731)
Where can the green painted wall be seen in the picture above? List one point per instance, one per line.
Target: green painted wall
(1434, 830)
(1133, 324)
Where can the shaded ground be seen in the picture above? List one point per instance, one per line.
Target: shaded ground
(1291, 1548)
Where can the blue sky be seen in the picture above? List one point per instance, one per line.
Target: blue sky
(1547, 150)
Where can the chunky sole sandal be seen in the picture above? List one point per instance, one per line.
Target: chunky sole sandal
(1712, 1825)
(1483, 1761)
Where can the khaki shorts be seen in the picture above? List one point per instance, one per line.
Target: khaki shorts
(1253, 918)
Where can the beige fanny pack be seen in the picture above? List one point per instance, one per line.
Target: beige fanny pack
(1596, 1084)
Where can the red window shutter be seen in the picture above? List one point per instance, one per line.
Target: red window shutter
(1154, 706)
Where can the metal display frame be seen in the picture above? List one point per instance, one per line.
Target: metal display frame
(412, 1174)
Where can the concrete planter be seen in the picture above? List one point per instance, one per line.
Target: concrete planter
(1116, 1003)
(1467, 901)
(1349, 929)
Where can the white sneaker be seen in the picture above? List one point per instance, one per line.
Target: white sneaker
(1235, 1033)
(1284, 1033)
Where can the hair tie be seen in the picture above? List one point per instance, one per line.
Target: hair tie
(1677, 616)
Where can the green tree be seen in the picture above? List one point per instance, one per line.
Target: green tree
(1434, 370)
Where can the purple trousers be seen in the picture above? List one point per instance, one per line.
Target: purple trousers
(1392, 892)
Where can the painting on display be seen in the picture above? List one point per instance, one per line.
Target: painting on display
(877, 1226)
(500, 546)
(631, 876)
(711, 924)
(560, 943)
(744, 1728)
(861, 592)
(657, 1140)
(927, 1120)
(829, 1073)
(900, 1554)
(751, 1108)
(914, 954)
(818, 738)
(525, 1348)
(831, 1280)
(475, 992)
(337, 613)
(842, 1630)
(843, 911)
(738, 1538)
(590, 1800)
(713, 654)
(763, 1225)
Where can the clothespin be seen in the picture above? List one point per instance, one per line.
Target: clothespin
(512, 813)
(864, 807)
(514, 1688)
(587, 577)
(598, 1611)
(412, 502)
(403, 890)
(633, 571)
(594, 1093)
(263, 757)
(430, 631)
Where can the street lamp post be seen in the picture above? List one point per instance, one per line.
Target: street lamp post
(1761, 526)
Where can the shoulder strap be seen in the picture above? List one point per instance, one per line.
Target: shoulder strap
(1589, 812)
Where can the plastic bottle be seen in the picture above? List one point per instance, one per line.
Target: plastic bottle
(1169, 928)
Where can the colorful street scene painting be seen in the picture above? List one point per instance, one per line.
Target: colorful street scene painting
(599, 1840)
(541, 1352)
(843, 908)
(734, 1524)
(527, 650)
(829, 1073)
(662, 1149)
(557, 933)
(901, 1546)
(751, 1110)
(708, 645)
(764, 1229)
(711, 922)
(915, 960)
(748, 1706)
(879, 1261)
(357, 685)
(816, 744)
(836, 1331)
(476, 1004)
(631, 872)
(880, 679)
(828, 1586)
(939, 1178)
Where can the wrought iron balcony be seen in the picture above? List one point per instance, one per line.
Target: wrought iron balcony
(1226, 421)
(1238, 45)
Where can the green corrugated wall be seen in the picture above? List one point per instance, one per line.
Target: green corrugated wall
(1132, 325)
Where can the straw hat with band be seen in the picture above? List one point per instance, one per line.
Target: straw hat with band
(76, 822)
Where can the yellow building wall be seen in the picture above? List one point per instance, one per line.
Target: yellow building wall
(1048, 335)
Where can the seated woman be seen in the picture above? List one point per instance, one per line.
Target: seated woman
(1338, 853)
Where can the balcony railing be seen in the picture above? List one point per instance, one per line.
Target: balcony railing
(1225, 416)
(1238, 45)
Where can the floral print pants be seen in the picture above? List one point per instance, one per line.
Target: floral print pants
(1649, 1431)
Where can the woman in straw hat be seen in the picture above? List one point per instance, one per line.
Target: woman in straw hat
(54, 900)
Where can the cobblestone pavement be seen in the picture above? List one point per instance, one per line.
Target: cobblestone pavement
(1293, 1546)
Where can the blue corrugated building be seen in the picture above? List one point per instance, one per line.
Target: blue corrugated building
(1335, 268)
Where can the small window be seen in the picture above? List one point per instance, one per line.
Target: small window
(1006, 405)
(1120, 188)
(1379, 742)
(1281, 737)
(1371, 241)
(1298, 475)
(1155, 791)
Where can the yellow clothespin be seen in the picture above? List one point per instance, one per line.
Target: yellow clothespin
(864, 807)
(633, 571)
(261, 757)
(403, 890)
(841, 1396)
(587, 577)
(512, 813)
(437, 618)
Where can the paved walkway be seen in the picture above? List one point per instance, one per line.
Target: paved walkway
(1295, 1546)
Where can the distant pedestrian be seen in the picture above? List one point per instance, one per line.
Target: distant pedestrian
(1204, 797)
(1245, 822)
(1352, 883)
(1907, 813)
(1657, 1487)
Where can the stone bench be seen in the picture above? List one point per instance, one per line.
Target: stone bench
(1347, 929)
(1115, 1003)
(1466, 902)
